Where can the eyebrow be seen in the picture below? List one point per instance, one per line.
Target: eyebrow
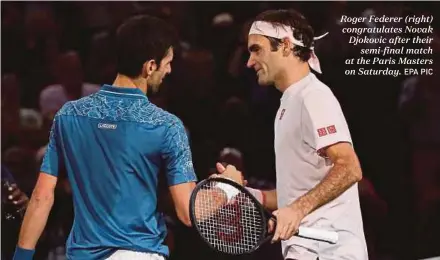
(254, 48)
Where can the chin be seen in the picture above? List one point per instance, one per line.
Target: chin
(263, 82)
(154, 86)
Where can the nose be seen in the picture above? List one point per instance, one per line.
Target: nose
(250, 62)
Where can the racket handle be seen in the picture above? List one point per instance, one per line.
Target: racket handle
(318, 234)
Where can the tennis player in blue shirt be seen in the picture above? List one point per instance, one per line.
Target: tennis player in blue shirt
(113, 144)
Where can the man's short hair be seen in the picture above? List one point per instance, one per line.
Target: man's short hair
(142, 38)
(303, 31)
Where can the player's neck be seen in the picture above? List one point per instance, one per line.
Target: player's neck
(126, 82)
(290, 77)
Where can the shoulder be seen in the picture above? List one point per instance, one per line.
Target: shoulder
(165, 118)
(74, 107)
(317, 94)
(133, 110)
(315, 89)
(144, 112)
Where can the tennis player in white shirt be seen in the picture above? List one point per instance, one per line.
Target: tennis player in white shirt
(317, 168)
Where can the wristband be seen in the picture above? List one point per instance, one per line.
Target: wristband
(23, 254)
(229, 190)
(258, 194)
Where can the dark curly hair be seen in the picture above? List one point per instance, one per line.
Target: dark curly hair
(141, 38)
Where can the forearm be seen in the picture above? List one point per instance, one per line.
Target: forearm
(35, 220)
(270, 199)
(341, 177)
(215, 197)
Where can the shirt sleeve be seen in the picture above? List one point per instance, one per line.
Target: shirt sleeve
(323, 122)
(177, 155)
(51, 159)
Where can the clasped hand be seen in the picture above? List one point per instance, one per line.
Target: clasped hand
(229, 172)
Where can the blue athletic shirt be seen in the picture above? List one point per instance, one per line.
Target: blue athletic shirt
(113, 144)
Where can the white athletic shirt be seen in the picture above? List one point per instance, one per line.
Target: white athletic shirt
(310, 118)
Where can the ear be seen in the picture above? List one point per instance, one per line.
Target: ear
(286, 46)
(148, 68)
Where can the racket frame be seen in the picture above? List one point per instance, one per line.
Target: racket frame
(265, 214)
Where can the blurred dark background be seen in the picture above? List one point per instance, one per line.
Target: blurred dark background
(53, 52)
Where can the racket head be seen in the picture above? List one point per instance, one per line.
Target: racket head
(244, 217)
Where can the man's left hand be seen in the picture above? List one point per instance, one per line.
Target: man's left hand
(287, 223)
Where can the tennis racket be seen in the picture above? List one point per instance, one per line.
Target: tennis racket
(230, 220)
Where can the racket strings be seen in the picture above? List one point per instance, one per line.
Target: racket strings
(234, 228)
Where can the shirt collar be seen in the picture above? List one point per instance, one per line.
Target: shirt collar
(120, 91)
(295, 87)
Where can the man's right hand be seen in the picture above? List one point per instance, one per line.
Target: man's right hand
(229, 172)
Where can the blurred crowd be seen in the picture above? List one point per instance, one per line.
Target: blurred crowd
(53, 52)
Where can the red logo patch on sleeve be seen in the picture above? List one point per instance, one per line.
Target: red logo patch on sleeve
(331, 129)
(322, 132)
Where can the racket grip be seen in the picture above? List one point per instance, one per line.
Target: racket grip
(318, 234)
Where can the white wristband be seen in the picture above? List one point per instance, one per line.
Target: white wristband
(229, 190)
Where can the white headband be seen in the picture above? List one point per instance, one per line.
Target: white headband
(284, 31)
